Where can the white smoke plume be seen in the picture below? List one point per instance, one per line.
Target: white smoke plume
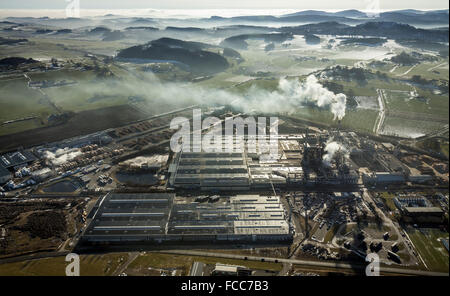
(291, 95)
(61, 156)
(158, 96)
(331, 149)
(296, 94)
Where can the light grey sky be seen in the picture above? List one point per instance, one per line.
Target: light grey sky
(239, 4)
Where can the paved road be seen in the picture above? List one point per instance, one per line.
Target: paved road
(286, 268)
(435, 67)
(409, 70)
(382, 113)
(197, 269)
(337, 265)
(131, 257)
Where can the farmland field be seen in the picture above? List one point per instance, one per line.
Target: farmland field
(184, 263)
(423, 102)
(90, 265)
(428, 244)
(408, 128)
(80, 123)
(19, 101)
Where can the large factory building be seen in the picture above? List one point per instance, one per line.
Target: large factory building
(297, 163)
(210, 171)
(163, 218)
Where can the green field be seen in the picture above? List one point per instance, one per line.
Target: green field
(439, 70)
(90, 265)
(360, 120)
(430, 248)
(184, 263)
(395, 126)
(19, 101)
(89, 92)
(431, 104)
(389, 200)
(60, 48)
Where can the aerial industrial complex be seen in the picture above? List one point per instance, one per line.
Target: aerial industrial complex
(294, 144)
(324, 194)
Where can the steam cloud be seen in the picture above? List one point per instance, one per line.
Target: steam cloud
(61, 156)
(290, 95)
(294, 94)
(332, 148)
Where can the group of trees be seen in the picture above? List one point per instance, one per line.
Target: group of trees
(46, 224)
(348, 74)
(338, 88)
(404, 59)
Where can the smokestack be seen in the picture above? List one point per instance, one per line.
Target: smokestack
(332, 150)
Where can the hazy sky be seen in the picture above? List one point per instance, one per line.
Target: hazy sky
(247, 4)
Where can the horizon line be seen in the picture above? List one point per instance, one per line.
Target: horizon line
(178, 12)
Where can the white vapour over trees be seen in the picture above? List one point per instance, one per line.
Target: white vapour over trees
(290, 95)
(295, 94)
